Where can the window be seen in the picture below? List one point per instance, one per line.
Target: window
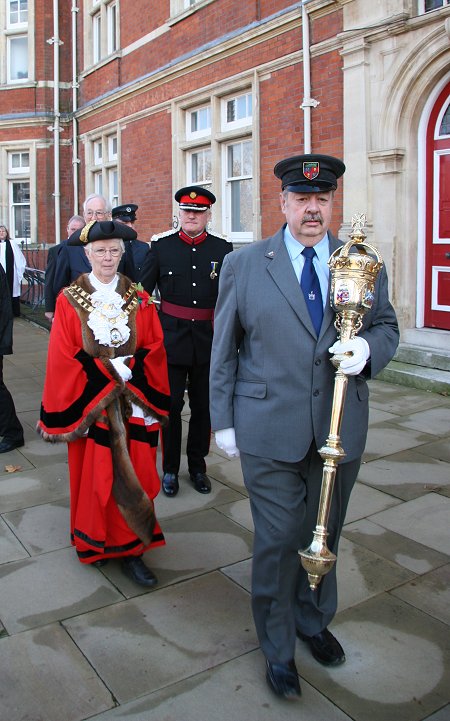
(103, 171)
(198, 122)
(19, 195)
(239, 188)
(425, 6)
(102, 17)
(199, 167)
(17, 12)
(237, 112)
(217, 153)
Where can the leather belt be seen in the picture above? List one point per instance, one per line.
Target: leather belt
(181, 311)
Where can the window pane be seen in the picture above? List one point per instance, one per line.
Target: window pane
(18, 11)
(112, 147)
(241, 206)
(21, 192)
(433, 4)
(18, 54)
(247, 161)
(445, 125)
(22, 221)
(201, 166)
(231, 115)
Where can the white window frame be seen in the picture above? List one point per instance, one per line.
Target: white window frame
(185, 145)
(203, 132)
(103, 167)
(227, 184)
(15, 176)
(239, 122)
(102, 30)
(22, 168)
(21, 23)
(9, 40)
(422, 10)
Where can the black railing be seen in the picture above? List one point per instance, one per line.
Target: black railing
(33, 287)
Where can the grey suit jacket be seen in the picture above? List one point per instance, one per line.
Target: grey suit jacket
(271, 377)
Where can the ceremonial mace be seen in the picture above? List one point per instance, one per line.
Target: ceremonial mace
(353, 278)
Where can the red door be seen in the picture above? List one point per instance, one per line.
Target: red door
(437, 248)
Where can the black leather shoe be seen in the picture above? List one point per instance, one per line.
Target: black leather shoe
(201, 482)
(135, 568)
(282, 678)
(6, 445)
(325, 648)
(170, 484)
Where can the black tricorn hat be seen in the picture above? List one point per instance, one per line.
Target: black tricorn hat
(311, 173)
(102, 230)
(125, 212)
(195, 197)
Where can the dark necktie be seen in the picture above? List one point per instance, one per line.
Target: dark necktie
(311, 289)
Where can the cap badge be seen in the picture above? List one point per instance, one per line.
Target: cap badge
(128, 209)
(192, 194)
(311, 170)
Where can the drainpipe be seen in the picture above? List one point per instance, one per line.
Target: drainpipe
(75, 86)
(55, 128)
(308, 102)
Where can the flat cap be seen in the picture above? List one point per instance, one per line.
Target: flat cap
(195, 198)
(311, 173)
(102, 230)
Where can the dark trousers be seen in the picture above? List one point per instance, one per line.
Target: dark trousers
(284, 499)
(196, 379)
(10, 426)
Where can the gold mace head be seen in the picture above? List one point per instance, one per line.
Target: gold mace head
(354, 271)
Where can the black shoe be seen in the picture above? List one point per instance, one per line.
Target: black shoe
(325, 648)
(170, 484)
(6, 445)
(101, 562)
(282, 678)
(201, 482)
(135, 568)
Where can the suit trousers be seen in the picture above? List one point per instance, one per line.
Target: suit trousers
(196, 378)
(10, 426)
(284, 500)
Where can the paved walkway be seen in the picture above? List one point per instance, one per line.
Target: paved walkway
(81, 643)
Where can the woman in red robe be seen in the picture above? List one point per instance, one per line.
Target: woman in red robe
(106, 393)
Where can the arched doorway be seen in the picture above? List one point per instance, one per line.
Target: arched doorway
(437, 214)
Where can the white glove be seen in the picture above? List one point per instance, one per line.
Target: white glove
(226, 441)
(122, 369)
(354, 364)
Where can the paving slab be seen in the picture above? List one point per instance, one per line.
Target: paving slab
(46, 678)
(397, 548)
(240, 512)
(50, 587)
(364, 501)
(427, 421)
(387, 438)
(42, 528)
(425, 520)
(406, 475)
(397, 665)
(234, 690)
(363, 574)
(430, 593)
(11, 548)
(32, 486)
(153, 641)
(399, 400)
(196, 543)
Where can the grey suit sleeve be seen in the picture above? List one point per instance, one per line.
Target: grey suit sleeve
(382, 332)
(228, 333)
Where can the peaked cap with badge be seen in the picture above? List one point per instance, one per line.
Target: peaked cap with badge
(311, 173)
(193, 197)
(102, 230)
(126, 213)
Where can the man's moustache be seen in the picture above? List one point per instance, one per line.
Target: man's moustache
(308, 218)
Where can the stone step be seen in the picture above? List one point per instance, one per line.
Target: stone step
(415, 376)
(420, 356)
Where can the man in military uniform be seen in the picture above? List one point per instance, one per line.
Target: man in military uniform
(127, 214)
(185, 265)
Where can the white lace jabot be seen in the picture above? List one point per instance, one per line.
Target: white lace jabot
(108, 321)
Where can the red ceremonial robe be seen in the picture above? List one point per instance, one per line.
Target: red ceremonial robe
(112, 454)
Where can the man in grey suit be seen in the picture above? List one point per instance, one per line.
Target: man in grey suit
(271, 397)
